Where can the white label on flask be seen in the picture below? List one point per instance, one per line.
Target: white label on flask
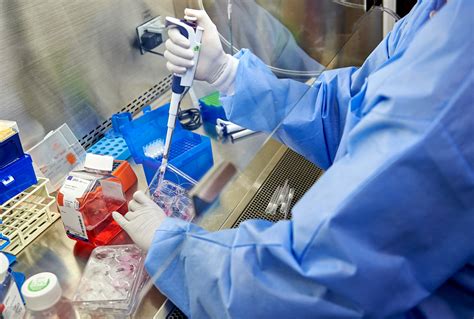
(73, 188)
(14, 307)
(73, 222)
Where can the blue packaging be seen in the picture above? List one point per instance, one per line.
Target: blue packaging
(211, 108)
(191, 153)
(10, 150)
(16, 177)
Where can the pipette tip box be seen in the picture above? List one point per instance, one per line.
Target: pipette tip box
(190, 152)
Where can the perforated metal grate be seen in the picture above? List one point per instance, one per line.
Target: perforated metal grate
(176, 314)
(301, 175)
(133, 107)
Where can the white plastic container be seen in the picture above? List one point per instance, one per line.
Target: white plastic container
(56, 155)
(112, 282)
(43, 297)
(10, 296)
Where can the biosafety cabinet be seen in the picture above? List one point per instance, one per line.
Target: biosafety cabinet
(79, 63)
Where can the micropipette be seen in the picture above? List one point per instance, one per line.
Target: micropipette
(190, 30)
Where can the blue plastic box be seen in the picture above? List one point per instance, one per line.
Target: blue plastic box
(191, 153)
(113, 143)
(113, 146)
(16, 177)
(10, 150)
(147, 128)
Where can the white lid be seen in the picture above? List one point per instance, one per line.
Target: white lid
(9, 124)
(4, 264)
(99, 162)
(41, 291)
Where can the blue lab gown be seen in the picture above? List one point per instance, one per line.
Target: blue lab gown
(388, 231)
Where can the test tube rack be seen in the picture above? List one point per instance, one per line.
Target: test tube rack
(26, 216)
(113, 146)
(113, 143)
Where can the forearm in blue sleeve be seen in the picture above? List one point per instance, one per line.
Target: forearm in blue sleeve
(382, 229)
(302, 115)
(232, 273)
(358, 249)
(309, 119)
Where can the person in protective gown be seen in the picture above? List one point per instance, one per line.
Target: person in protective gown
(387, 231)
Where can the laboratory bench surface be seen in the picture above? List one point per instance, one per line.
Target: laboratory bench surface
(54, 252)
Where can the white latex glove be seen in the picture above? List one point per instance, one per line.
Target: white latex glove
(214, 66)
(142, 220)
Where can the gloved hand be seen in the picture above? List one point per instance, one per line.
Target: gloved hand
(142, 220)
(214, 66)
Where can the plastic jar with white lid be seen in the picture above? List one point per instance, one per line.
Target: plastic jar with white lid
(43, 298)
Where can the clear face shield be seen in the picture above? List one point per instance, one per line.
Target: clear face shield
(296, 41)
